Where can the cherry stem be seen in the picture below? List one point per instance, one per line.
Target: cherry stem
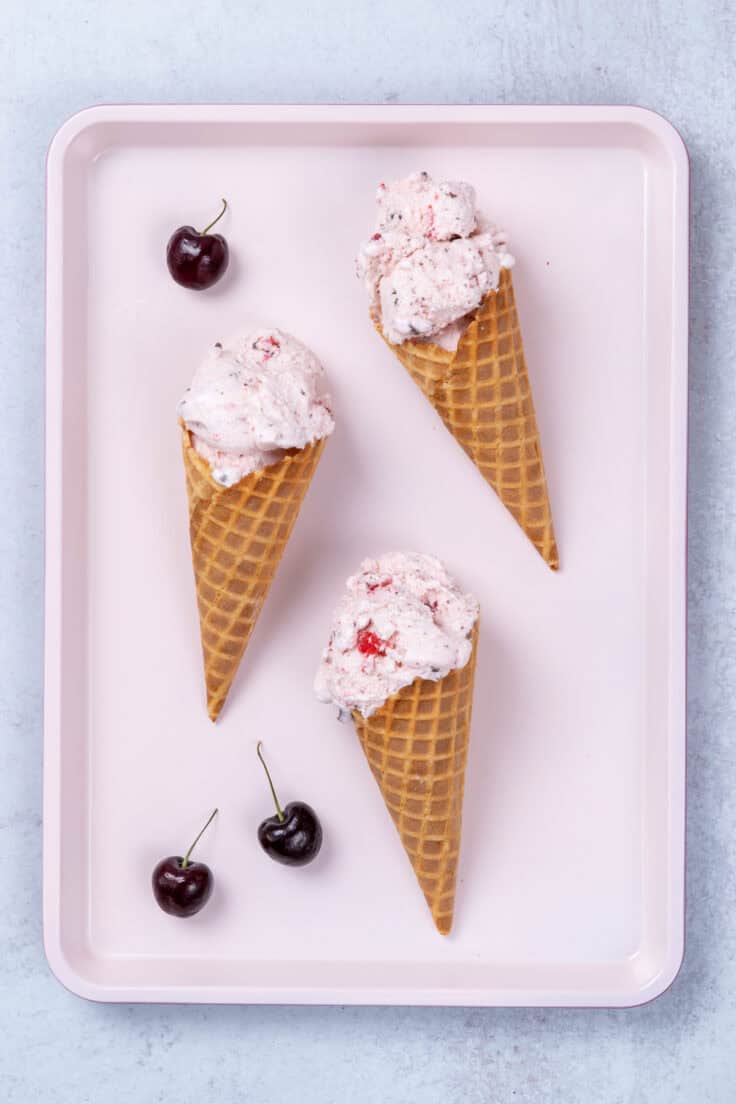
(211, 224)
(185, 860)
(268, 776)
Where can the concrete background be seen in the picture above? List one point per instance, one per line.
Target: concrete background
(676, 56)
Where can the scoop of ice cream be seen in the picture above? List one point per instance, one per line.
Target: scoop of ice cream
(418, 205)
(410, 213)
(251, 399)
(435, 286)
(402, 618)
(429, 263)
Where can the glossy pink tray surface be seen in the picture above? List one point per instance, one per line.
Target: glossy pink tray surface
(571, 876)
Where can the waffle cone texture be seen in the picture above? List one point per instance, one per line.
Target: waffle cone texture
(416, 745)
(482, 392)
(238, 535)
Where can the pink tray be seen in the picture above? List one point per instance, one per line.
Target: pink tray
(571, 879)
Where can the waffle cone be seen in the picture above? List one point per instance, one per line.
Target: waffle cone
(416, 745)
(482, 392)
(238, 536)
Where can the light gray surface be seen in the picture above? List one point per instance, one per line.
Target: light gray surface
(676, 56)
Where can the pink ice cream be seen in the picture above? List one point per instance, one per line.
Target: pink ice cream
(251, 399)
(402, 618)
(430, 262)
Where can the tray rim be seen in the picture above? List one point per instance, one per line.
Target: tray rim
(665, 133)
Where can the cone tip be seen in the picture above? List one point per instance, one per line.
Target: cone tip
(550, 555)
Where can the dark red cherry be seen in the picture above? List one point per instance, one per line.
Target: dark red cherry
(197, 259)
(294, 835)
(181, 887)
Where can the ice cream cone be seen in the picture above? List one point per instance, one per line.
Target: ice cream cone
(416, 745)
(482, 392)
(238, 536)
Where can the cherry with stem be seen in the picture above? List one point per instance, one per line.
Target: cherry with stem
(182, 887)
(294, 835)
(197, 259)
